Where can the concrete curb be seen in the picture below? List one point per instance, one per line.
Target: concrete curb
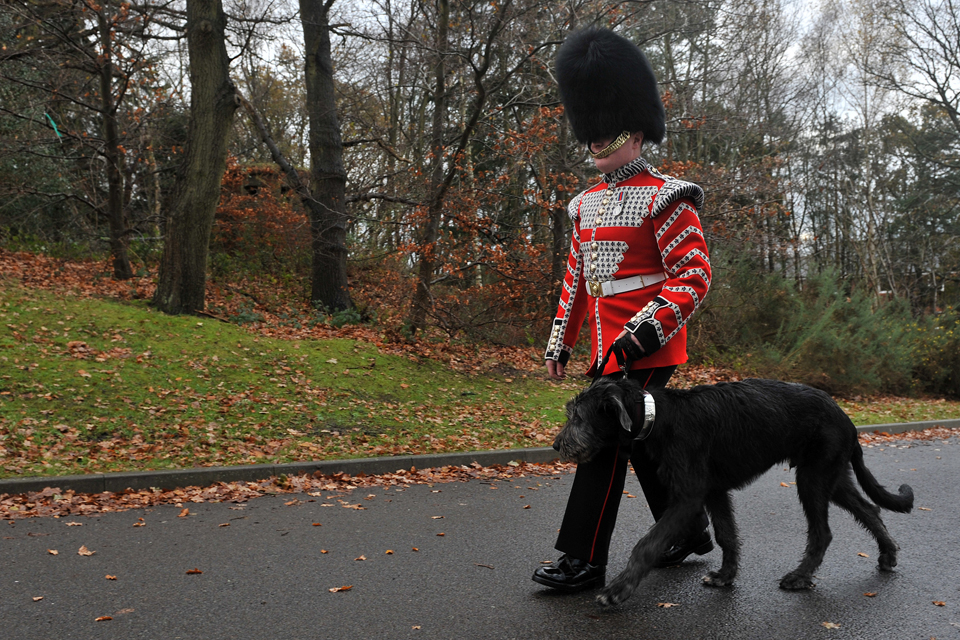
(203, 476)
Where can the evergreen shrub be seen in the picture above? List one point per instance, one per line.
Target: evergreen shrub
(818, 333)
(937, 367)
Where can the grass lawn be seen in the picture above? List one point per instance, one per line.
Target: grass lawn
(91, 385)
(94, 385)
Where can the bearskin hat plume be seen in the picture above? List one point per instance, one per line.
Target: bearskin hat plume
(607, 86)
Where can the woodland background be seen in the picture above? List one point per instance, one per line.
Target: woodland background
(422, 190)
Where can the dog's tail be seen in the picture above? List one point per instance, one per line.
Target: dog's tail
(901, 503)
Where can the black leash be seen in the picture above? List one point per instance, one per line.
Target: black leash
(623, 362)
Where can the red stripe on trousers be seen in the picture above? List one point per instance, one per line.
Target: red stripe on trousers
(606, 499)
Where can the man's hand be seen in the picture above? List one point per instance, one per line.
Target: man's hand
(633, 337)
(556, 370)
(627, 348)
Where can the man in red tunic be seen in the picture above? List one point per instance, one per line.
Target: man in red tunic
(638, 268)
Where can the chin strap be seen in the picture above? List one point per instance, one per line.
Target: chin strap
(611, 148)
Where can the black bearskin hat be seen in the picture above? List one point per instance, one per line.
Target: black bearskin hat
(607, 87)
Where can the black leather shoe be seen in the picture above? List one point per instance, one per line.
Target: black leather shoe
(571, 575)
(676, 554)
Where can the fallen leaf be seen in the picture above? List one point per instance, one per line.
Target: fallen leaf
(336, 589)
(830, 625)
(784, 484)
(184, 513)
(103, 619)
(332, 361)
(317, 524)
(939, 603)
(85, 552)
(140, 523)
(440, 535)
(53, 552)
(291, 503)
(389, 552)
(37, 598)
(415, 627)
(415, 549)
(863, 555)
(191, 572)
(486, 566)
(546, 562)
(74, 524)
(630, 495)
(224, 524)
(109, 577)
(324, 551)
(526, 507)
(436, 517)
(667, 605)
(84, 374)
(361, 558)
(870, 594)
(924, 509)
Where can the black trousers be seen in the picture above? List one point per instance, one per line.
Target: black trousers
(597, 489)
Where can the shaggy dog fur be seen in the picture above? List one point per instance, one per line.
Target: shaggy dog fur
(712, 439)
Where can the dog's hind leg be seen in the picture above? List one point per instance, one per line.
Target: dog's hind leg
(813, 489)
(673, 524)
(725, 531)
(846, 496)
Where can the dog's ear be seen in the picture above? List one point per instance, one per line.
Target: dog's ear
(626, 421)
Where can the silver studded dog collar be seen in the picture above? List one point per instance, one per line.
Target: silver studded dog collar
(649, 416)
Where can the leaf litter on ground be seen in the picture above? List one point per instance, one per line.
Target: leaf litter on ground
(96, 381)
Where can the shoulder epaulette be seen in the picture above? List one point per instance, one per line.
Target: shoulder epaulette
(672, 190)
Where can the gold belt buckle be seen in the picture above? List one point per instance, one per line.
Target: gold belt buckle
(595, 288)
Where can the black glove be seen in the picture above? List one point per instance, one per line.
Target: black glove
(625, 350)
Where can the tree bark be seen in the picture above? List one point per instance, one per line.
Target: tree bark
(327, 206)
(213, 101)
(560, 243)
(431, 229)
(111, 151)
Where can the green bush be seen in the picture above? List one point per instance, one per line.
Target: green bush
(842, 344)
(937, 368)
(820, 334)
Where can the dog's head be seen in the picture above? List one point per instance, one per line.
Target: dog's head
(597, 418)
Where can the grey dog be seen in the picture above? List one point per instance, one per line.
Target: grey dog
(711, 439)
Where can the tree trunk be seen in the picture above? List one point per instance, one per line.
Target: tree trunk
(183, 267)
(560, 244)
(327, 207)
(431, 229)
(111, 151)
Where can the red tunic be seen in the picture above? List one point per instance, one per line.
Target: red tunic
(636, 222)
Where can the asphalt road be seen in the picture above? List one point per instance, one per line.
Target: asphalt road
(266, 576)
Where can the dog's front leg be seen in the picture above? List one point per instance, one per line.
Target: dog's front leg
(725, 531)
(669, 529)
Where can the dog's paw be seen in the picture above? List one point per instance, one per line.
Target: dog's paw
(614, 594)
(796, 582)
(887, 561)
(715, 579)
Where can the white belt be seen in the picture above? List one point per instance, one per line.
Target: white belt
(613, 287)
